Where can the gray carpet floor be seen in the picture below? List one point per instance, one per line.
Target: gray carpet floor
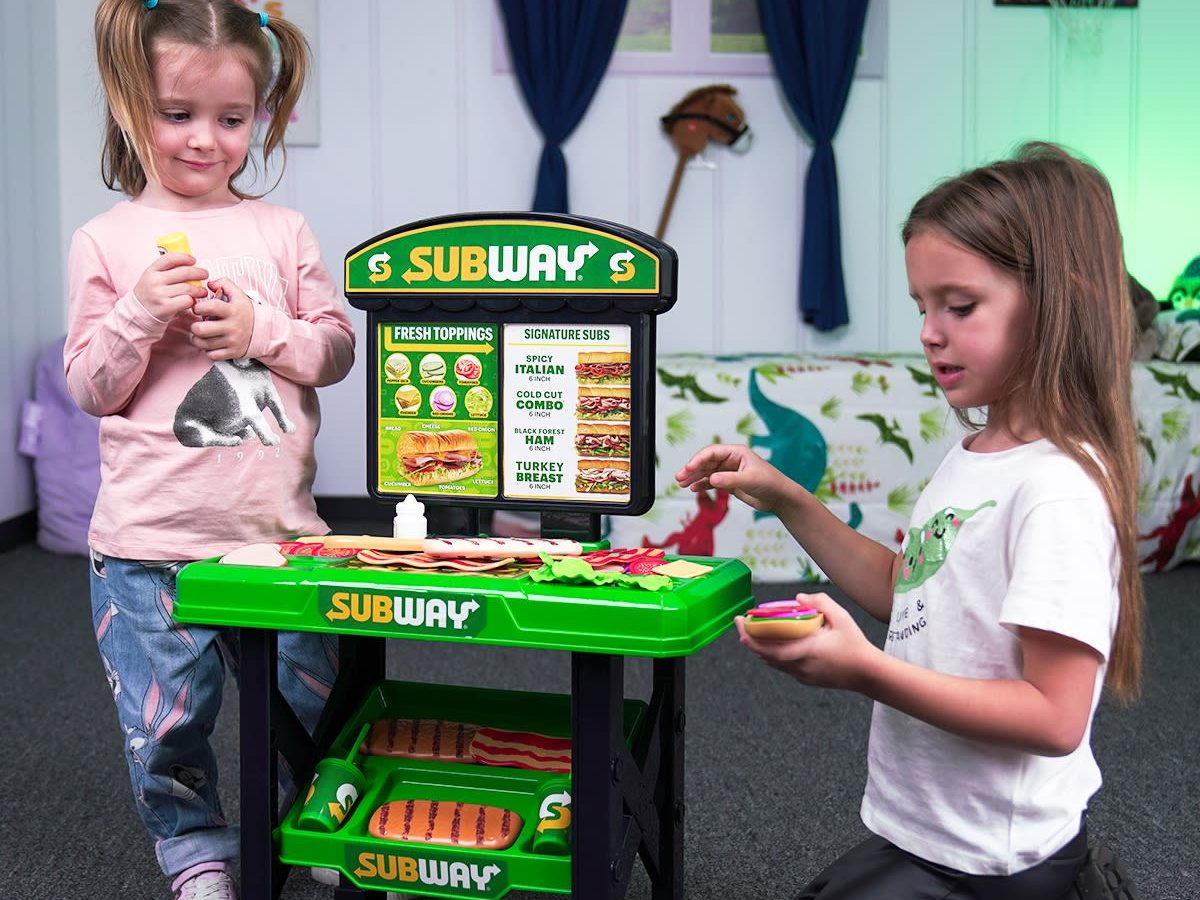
(774, 770)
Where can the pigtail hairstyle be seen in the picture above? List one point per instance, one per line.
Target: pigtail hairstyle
(1049, 219)
(127, 34)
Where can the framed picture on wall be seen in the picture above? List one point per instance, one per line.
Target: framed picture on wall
(304, 130)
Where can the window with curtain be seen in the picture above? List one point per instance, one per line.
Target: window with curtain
(704, 37)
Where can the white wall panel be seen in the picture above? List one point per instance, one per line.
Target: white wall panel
(30, 286)
(416, 122)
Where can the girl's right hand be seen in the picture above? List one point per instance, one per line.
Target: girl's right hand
(739, 470)
(165, 289)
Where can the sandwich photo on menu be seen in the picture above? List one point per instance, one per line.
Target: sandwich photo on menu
(596, 367)
(602, 439)
(603, 476)
(603, 403)
(427, 457)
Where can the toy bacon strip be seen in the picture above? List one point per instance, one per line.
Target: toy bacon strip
(459, 547)
(419, 739)
(623, 557)
(451, 823)
(521, 750)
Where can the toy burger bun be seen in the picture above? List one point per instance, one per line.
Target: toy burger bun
(782, 620)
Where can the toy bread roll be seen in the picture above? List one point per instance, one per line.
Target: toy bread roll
(420, 739)
(782, 620)
(449, 823)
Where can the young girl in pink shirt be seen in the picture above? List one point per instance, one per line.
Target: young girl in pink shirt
(203, 370)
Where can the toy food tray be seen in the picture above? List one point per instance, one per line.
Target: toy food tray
(416, 867)
(330, 595)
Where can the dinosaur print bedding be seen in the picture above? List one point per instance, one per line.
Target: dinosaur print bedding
(864, 434)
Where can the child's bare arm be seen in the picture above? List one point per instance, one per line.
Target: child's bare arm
(860, 566)
(1044, 712)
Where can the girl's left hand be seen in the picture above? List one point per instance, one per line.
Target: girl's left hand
(224, 327)
(836, 656)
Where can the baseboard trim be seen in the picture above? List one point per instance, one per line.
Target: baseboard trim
(18, 530)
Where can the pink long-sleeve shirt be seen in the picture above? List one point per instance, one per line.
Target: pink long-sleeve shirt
(198, 458)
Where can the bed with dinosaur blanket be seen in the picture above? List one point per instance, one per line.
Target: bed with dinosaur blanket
(864, 434)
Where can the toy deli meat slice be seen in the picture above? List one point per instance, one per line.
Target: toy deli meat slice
(451, 823)
(521, 750)
(420, 739)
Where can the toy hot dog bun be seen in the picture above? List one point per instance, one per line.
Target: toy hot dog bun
(448, 822)
(782, 620)
(460, 548)
(419, 739)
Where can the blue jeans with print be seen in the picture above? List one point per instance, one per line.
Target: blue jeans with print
(167, 680)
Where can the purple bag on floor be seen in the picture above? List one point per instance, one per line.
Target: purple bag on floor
(64, 442)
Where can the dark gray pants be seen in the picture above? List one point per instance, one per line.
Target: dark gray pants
(879, 870)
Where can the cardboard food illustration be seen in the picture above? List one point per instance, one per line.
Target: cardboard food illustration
(433, 458)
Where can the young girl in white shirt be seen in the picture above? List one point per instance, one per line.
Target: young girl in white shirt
(1016, 595)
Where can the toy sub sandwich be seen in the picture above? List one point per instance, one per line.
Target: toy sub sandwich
(782, 620)
(436, 458)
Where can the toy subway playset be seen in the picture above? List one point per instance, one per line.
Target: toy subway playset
(511, 366)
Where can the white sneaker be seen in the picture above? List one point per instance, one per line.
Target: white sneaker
(206, 881)
(322, 875)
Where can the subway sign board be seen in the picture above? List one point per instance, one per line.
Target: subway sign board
(482, 256)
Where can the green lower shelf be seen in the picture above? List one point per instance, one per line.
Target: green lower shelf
(432, 870)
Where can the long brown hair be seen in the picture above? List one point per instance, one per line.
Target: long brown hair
(1049, 219)
(126, 37)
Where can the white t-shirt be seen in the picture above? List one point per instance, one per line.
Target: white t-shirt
(1022, 537)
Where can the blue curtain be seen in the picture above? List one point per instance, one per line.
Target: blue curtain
(559, 49)
(814, 46)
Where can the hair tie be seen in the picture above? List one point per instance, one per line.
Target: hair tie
(150, 4)
(262, 17)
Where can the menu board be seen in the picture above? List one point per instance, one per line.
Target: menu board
(567, 410)
(512, 360)
(438, 410)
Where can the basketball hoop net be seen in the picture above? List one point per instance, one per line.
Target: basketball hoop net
(1082, 21)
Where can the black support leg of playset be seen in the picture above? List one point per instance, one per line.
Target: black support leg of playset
(597, 821)
(269, 727)
(262, 874)
(669, 684)
(625, 803)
